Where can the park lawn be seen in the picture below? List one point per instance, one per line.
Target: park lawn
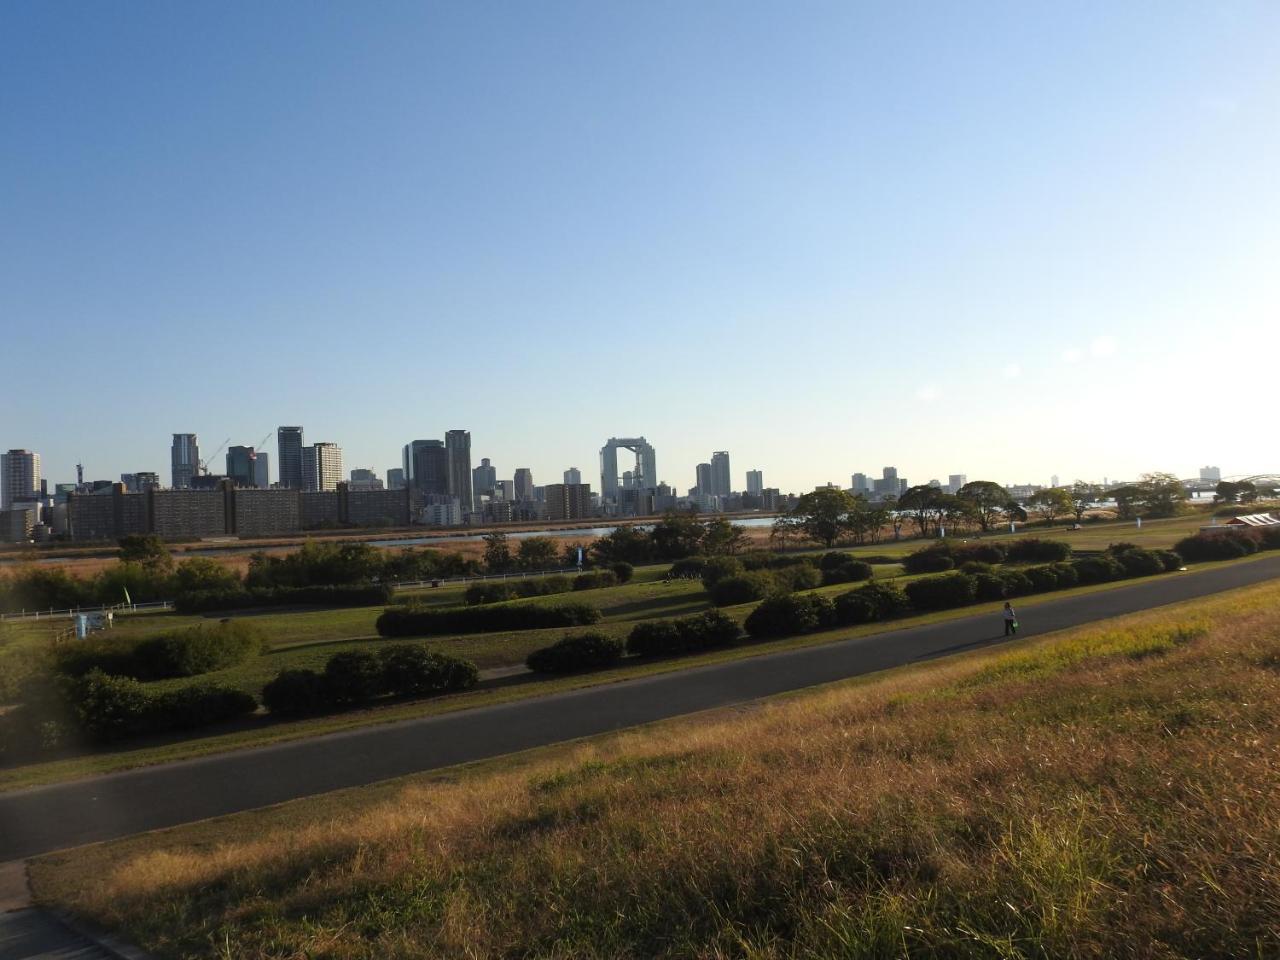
(1110, 791)
(262, 731)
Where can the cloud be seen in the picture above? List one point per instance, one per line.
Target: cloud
(1012, 371)
(1103, 346)
(928, 392)
(1072, 355)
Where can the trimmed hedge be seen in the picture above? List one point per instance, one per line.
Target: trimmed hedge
(662, 638)
(354, 678)
(744, 588)
(333, 595)
(181, 653)
(942, 592)
(789, 615)
(978, 552)
(875, 601)
(799, 577)
(1016, 583)
(934, 558)
(715, 569)
(623, 571)
(1101, 569)
(427, 622)
(1035, 550)
(586, 651)
(851, 571)
(988, 586)
(688, 567)
(595, 580)
(499, 591)
(1202, 547)
(108, 708)
(1139, 563)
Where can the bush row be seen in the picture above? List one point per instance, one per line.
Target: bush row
(664, 638)
(585, 651)
(354, 678)
(947, 555)
(1227, 544)
(180, 653)
(335, 595)
(410, 621)
(108, 708)
(503, 590)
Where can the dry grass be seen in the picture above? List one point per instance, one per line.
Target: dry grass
(1107, 792)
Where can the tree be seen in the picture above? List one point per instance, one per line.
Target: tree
(625, 545)
(676, 536)
(821, 516)
(1051, 503)
(538, 553)
(1232, 492)
(897, 518)
(865, 522)
(1083, 496)
(925, 505)
(1127, 498)
(202, 573)
(987, 500)
(1162, 494)
(720, 538)
(497, 555)
(146, 549)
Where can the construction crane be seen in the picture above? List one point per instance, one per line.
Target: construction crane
(264, 440)
(204, 464)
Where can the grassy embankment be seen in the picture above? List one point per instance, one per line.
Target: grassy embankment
(1109, 791)
(309, 638)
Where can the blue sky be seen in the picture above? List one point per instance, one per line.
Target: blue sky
(1008, 240)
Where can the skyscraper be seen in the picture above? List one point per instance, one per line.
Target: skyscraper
(484, 479)
(19, 477)
(261, 469)
(289, 441)
(457, 444)
(568, 501)
(321, 466)
(955, 481)
(185, 460)
(860, 484)
(427, 466)
(721, 482)
(573, 475)
(755, 482)
(395, 478)
(240, 464)
(524, 483)
(703, 474)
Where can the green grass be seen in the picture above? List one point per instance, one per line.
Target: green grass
(502, 649)
(1106, 792)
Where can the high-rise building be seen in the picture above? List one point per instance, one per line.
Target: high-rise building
(568, 501)
(139, 482)
(395, 478)
(19, 477)
(721, 481)
(289, 462)
(955, 481)
(362, 476)
(1053, 480)
(702, 474)
(573, 475)
(427, 466)
(860, 484)
(457, 445)
(364, 480)
(1210, 474)
(240, 466)
(484, 479)
(321, 466)
(261, 469)
(505, 490)
(524, 483)
(644, 476)
(184, 457)
(755, 482)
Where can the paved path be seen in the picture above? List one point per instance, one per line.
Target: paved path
(44, 819)
(36, 935)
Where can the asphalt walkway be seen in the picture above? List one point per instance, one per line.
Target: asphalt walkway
(44, 819)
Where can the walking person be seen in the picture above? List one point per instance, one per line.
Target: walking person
(1010, 619)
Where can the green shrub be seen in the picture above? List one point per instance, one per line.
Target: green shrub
(1100, 569)
(988, 586)
(586, 651)
(198, 705)
(852, 571)
(296, 693)
(744, 588)
(1139, 563)
(661, 638)
(595, 580)
(181, 653)
(424, 622)
(479, 593)
(411, 670)
(1042, 579)
(110, 708)
(975, 567)
(1035, 550)
(687, 568)
(934, 558)
(798, 577)
(1204, 547)
(352, 678)
(1067, 575)
(715, 569)
(707, 630)
(790, 615)
(655, 638)
(543, 586)
(834, 559)
(979, 552)
(1016, 583)
(942, 592)
(623, 571)
(1169, 560)
(336, 595)
(875, 601)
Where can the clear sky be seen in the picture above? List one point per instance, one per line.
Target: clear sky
(1006, 240)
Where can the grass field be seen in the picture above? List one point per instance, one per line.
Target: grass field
(1110, 791)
